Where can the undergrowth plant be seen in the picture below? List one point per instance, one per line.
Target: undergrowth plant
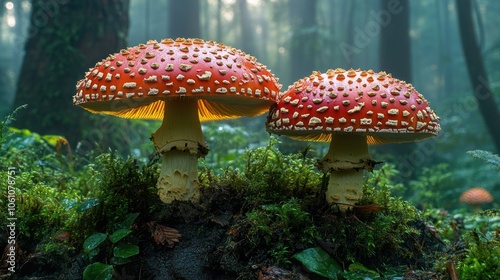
(281, 227)
(272, 175)
(113, 248)
(482, 259)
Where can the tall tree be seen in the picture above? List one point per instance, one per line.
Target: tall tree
(218, 32)
(395, 57)
(247, 30)
(184, 19)
(66, 38)
(477, 71)
(304, 37)
(395, 38)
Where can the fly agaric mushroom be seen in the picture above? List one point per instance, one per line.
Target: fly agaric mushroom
(351, 109)
(184, 82)
(475, 197)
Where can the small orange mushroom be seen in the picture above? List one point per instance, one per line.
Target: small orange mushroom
(476, 197)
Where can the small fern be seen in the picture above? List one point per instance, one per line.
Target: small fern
(4, 129)
(489, 157)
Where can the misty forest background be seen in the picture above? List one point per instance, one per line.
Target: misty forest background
(449, 50)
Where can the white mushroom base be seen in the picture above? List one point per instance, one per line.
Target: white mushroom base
(346, 161)
(178, 177)
(179, 141)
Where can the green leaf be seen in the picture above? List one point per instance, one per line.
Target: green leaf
(125, 250)
(317, 261)
(68, 203)
(128, 221)
(119, 234)
(98, 271)
(363, 270)
(93, 241)
(87, 204)
(52, 139)
(356, 275)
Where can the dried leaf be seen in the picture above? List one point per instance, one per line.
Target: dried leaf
(162, 234)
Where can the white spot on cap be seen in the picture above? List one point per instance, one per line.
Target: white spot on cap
(151, 79)
(322, 109)
(393, 112)
(314, 121)
(365, 121)
(181, 90)
(153, 91)
(392, 123)
(130, 85)
(221, 90)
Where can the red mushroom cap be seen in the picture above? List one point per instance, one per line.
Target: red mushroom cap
(385, 109)
(134, 82)
(476, 196)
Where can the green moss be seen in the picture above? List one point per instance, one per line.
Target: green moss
(382, 227)
(45, 191)
(120, 186)
(282, 228)
(61, 192)
(482, 260)
(286, 213)
(272, 175)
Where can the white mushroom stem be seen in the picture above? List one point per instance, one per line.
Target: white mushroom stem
(180, 142)
(346, 160)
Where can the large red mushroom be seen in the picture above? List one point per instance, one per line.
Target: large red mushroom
(182, 82)
(351, 109)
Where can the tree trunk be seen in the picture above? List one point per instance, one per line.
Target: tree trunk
(247, 28)
(477, 72)
(395, 58)
(303, 42)
(184, 19)
(218, 32)
(395, 54)
(65, 39)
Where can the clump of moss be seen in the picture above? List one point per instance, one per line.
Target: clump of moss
(286, 212)
(120, 187)
(381, 229)
(269, 176)
(44, 191)
(482, 257)
(283, 228)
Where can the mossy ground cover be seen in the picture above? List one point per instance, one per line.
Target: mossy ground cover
(264, 217)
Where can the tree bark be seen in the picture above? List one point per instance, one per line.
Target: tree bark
(184, 19)
(303, 41)
(395, 57)
(395, 51)
(477, 71)
(65, 39)
(247, 30)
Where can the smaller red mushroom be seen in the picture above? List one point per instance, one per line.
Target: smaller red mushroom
(351, 109)
(476, 197)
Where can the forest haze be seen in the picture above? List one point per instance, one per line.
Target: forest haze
(124, 155)
(449, 53)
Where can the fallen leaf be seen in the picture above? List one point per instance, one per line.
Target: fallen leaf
(162, 234)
